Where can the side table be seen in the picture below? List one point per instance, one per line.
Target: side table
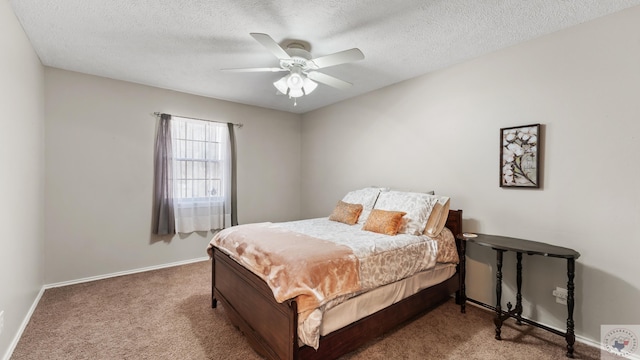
(501, 244)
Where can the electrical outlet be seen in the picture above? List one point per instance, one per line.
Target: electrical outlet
(561, 295)
(1, 321)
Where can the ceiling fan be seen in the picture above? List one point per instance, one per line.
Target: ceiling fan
(296, 60)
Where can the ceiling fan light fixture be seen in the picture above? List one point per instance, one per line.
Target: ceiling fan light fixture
(296, 84)
(281, 85)
(309, 85)
(295, 79)
(295, 93)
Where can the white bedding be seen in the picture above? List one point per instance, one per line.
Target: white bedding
(383, 258)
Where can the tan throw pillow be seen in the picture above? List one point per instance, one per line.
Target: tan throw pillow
(438, 217)
(384, 222)
(346, 213)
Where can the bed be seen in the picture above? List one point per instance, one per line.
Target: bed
(272, 325)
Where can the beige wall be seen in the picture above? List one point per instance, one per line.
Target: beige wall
(99, 166)
(21, 176)
(441, 131)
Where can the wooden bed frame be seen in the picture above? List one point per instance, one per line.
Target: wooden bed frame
(272, 328)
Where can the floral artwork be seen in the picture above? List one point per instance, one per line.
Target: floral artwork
(519, 160)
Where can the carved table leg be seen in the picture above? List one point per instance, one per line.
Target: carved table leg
(570, 336)
(462, 293)
(519, 294)
(498, 320)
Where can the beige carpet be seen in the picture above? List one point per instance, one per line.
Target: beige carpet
(166, 314)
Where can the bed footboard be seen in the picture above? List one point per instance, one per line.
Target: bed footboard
(270, 327)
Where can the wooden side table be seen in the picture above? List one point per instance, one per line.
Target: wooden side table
(501, 244)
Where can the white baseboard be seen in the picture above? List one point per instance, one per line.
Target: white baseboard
(121, 273)
(18, 335)
(16, 338)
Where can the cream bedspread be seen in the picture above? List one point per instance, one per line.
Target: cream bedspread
(362, 260)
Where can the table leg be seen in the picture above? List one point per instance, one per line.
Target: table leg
(498, 319)
(570, 336)
(462, 293)
(519, 293)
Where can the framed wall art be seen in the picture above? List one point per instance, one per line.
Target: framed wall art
(519, 156)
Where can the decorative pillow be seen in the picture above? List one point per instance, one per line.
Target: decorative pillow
(366, 197)
(346, 213)
(417, 206)
(447, 250)
(384, 222)
(438, 217)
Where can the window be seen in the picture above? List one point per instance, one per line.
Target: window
(201, 169)
(198, 160)
(193, 185)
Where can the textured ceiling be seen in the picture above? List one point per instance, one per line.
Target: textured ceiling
(182, 45)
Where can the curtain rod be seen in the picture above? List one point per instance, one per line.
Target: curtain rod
(239, 125)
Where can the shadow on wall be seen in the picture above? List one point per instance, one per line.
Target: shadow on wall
(601, 298)
(607, 300)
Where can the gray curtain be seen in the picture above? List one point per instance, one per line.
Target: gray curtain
(234, 187)
(163, 217)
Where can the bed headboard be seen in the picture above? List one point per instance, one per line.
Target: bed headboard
(454, 222)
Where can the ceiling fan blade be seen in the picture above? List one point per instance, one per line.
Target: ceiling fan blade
(338, 58)
(328, 80)
(271, 45)
(271, 69)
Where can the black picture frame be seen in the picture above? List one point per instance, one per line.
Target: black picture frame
(520, 156)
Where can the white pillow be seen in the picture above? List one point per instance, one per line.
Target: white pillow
(366, 197)
(438, 217)
(417, 206)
